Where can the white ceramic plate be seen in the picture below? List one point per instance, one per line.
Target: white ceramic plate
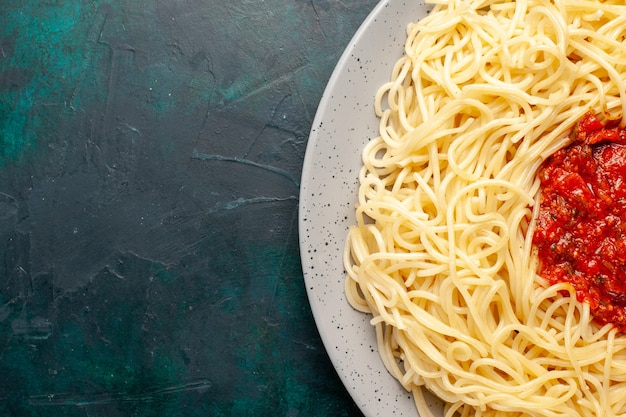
(344, 123)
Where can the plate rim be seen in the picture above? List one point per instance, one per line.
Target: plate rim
(367, 406)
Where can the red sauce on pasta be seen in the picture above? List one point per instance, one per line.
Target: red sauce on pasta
(581, 229)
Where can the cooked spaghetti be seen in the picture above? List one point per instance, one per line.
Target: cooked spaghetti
(442, 253)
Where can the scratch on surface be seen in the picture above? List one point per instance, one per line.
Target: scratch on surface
(272, 116)
(256, 89)
(111, 64)
(210, 157)
(132, 128)
(107, 10)
(306, 345)
(303, 103)
(239, 202)
(150, 394)
(318, 19)
(255, 140)
(213, 78)
(221, 301)
(317, 15)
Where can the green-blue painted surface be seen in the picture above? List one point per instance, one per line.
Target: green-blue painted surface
(150, 155)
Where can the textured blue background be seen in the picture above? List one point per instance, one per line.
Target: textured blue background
(150, 156)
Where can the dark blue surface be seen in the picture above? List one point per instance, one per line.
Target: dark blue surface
(150, 156)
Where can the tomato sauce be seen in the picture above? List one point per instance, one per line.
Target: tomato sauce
(581, 228)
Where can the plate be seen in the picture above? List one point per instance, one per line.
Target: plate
(344, 123)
